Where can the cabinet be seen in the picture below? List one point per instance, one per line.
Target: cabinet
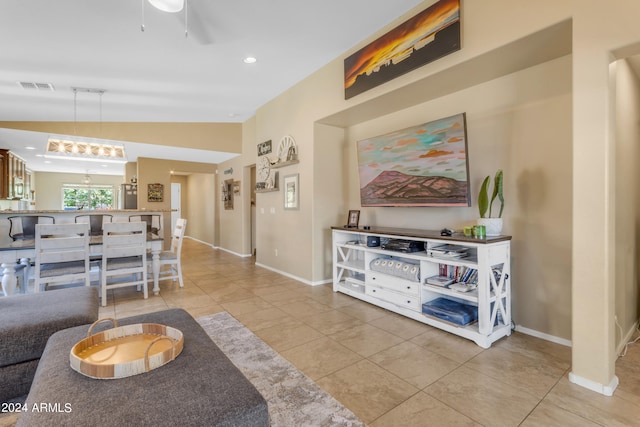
(400, 285)
(13, 175)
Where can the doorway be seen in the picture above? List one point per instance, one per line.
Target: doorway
(176, 206)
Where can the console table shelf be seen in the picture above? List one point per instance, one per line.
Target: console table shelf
(403, 288)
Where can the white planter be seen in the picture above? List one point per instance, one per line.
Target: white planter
(492, 225)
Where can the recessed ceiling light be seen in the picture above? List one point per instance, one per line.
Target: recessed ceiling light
(47, 161)
(249, 60)
(29, 148)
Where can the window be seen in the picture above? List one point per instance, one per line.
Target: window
(87, 197)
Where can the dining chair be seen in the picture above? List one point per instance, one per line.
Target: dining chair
(171, 258)
(153, 222)
(95, 222)
(61, 255)
(24, 226)
(124, 257)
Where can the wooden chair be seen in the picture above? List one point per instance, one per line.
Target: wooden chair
(24, 226)
(95, 222)
(124, 257)
(171, 258)
(154, 222)
(62, 254)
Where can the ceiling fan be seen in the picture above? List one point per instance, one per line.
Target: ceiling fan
(194, 27)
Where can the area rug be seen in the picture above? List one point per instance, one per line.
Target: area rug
(293, 398)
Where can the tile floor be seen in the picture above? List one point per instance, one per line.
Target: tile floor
(390, 370)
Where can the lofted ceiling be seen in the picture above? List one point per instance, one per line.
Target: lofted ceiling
(159, 75)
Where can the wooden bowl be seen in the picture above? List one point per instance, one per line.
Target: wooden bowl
(126, 350)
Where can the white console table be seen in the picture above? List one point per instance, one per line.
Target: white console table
(490, 257)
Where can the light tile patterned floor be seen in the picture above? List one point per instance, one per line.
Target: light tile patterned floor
(390, 370)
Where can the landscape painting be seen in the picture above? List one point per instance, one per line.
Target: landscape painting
(432, 34)
(425, 165)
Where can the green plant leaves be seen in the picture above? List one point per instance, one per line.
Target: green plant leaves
(497, 192)
(483, 197)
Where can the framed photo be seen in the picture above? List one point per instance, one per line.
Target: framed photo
(291, 186)
(354, 219)
(155, 193)
(264, 148)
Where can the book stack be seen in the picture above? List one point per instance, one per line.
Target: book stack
(457, 278)
(439, 280)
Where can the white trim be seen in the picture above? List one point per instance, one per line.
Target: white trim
(200, 241)
(547, 337)
(232, 252)
(299, 279)
(606, 390)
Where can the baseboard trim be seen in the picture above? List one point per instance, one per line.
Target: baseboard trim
(291, 276)
(200, 241)
(233, 253)
(604, 389)
(542, 335)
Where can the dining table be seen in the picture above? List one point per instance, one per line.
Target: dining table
(23, 252)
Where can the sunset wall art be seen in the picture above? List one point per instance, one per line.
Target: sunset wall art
(425, 165)
(432, 34)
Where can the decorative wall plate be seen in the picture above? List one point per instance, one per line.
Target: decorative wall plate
(287, 149)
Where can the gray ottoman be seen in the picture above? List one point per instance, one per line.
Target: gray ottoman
(200, 388)
(27, 322)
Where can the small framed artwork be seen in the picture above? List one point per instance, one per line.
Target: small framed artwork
(291, 185)
(264, 148)
(155, 193)
(354, 219)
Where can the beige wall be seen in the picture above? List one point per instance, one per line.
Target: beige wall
(225, 137)
(627, 187)
(158, 171)
(520, 123)
(201, 201)
(538, 161)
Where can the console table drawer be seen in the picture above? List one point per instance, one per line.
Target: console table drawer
(393, 283)
(408, 301)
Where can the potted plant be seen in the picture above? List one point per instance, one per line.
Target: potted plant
(493, 225)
